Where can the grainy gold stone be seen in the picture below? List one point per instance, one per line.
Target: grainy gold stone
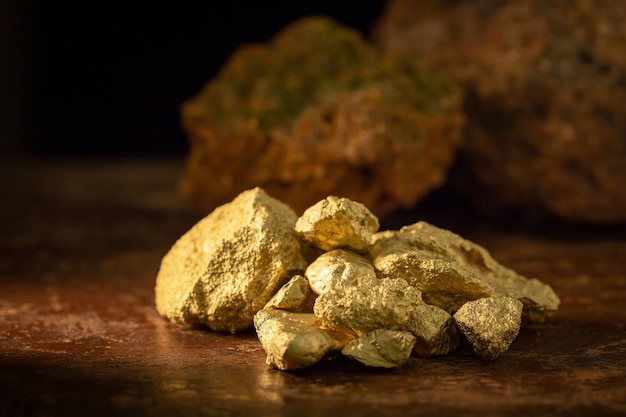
(490, 324)
(444, 282)
(376, 297)
(336, 223)
(296, 340)
(337, 265)
(368, 304)
(295, 296)
(435, 331)
(450, 270)
(229, 265)
(381, 348)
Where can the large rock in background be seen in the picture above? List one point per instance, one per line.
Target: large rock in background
(318, 111)
(546, 97)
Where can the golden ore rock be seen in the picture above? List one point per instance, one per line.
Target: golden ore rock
(490, 324)
(381, 348)
(450, 270)
(296, 340)
(435, 331)
(369, 303)
(419, 289)
(230, 264)
(335, 266)
(295, 296)
(338, 223)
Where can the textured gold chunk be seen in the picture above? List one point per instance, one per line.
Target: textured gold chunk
(373, 297)
(338, 223)
(338, 265)
(435, 331)
(490, 324)
(451, 271)
(229, 265)
(296, 340)
(381, 348)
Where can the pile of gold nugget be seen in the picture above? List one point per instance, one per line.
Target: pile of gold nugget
(329, 283)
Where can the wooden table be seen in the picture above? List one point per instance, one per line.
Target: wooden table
(80, 245)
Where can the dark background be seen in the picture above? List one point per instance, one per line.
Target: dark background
(106, 79)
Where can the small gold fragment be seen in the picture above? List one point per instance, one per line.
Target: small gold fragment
(490, 324)
(296, 340)
(338, 223)
(443, 282)
(435, 331)
(295, 296)
(451, 271)
(337, 265)
(369, 303)
(381, 348)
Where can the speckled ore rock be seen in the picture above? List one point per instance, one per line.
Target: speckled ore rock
(451, 271)
(243, 264)
(296, 340)
(445, 284)
(338, 223)
(295, 296)
(381, 348)
(229, 265)
(337, 265)
(490, 324)
(435, 331)
(546, 89)
(318, 111)
(368, 303)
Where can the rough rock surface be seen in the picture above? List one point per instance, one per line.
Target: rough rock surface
(317, 111)
(243, 264)
(435, 331)
(450, 270)
(546, 88)
(338, 223)
(443, 283)
(368, 304)
(295, 340)
(381, 348)
(295, 296)
(337, 265)
(229, 265)
(490, 324)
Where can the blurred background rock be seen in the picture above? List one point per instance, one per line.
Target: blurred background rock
(107, 79)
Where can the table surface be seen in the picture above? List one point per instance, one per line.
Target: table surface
(80, 246)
